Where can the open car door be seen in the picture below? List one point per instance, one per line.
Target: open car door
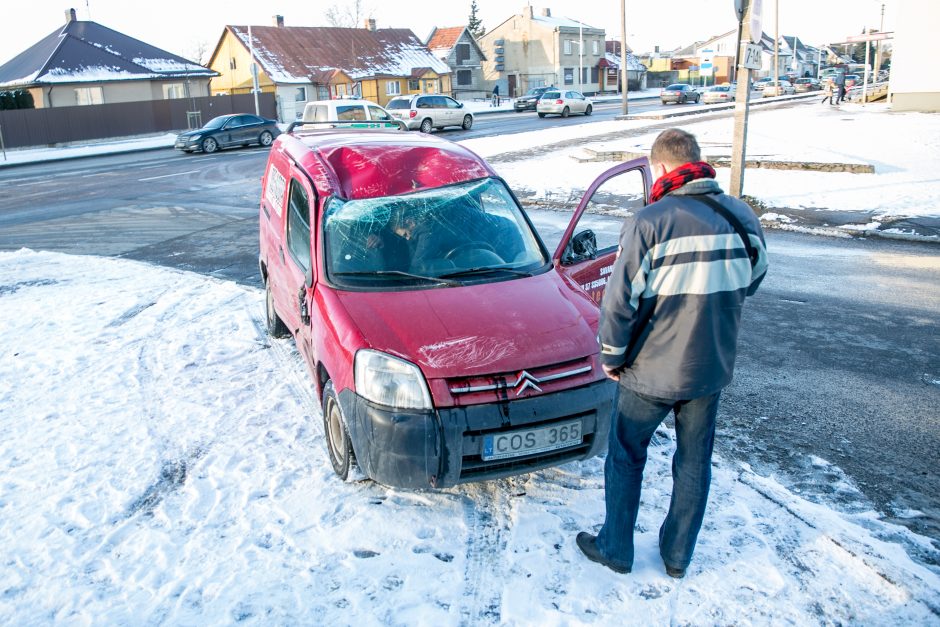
(588, 248)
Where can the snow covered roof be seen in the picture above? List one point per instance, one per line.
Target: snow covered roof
(299, 54)
(561, 22)
(633, 64)
(87, 52)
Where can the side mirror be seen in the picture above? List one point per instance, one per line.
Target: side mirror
(460, 105)
(581, 247)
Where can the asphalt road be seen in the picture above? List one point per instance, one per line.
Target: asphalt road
(839, 358)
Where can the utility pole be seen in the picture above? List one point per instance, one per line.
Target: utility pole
(623, 54)
(254, 70)
(580, 57)
(778, 91)
(881, 29)
(749, 12)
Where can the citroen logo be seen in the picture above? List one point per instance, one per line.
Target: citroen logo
(524, 382)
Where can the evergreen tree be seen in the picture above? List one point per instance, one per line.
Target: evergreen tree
(474, 25)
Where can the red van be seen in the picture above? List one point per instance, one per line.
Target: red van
(445, 342)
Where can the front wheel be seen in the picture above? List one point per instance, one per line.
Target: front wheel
(565, 112)
(266, 138)
(426, 125)
(588, 110)
(273, 323)
(338, 444)
(467, 122)
(209, 145)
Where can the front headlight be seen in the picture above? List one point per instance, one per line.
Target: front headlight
(194, 138)
(390, 381)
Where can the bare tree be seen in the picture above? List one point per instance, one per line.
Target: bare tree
(197, 51)
(349, 15)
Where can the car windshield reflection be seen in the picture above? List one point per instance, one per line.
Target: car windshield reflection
(470, 232)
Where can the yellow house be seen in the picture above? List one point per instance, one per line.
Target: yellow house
(304, 63)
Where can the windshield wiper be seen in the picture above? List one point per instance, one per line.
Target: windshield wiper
(484, 270)
(430, 279)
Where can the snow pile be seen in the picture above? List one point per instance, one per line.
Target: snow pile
(161, 461)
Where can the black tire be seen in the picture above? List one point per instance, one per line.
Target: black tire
(541, 115)
(664, 102)
(588, 110)
(565, 112)
(209, 145)
(273, 323)
(467, 122)
(266, 138)
(338, 445)
(426, 125)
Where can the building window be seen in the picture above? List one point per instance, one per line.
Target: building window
(174, 90)
(301, 95)
(463, 53)
(568, 44)
(89, 96)
(231, 64)
(392, 88)
(569, 76)
(594, 47)
(594, 75)
(464, 77)
(414, 85)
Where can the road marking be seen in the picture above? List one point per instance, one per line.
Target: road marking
(163, 176)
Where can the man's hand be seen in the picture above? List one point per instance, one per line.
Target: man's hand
(612, 373)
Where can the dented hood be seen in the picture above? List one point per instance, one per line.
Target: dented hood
(479, 329)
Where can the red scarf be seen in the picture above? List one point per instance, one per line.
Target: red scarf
(679, 177)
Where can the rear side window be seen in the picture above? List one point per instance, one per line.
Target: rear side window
(298, 225)
(350, 112)
(424, 103)
(398, 103)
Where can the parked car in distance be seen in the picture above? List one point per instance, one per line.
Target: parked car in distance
(445, 342)
(719, 93)
(803, 85)
(529, 101)
(780, 88)
(563, 102)
(427, 112)
(680, 93)
(236, 129)
(324, 112)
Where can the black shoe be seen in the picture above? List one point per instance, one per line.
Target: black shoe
(588, 545)
(675, 573)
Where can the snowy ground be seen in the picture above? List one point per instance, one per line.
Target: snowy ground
(904, 149)
(162, 461)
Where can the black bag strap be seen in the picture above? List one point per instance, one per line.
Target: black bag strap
(733, 220)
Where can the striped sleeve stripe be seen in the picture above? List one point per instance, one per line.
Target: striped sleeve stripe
(607, 349)
(699, 277)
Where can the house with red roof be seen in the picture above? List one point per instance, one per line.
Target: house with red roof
(460, 51)
(305, 63)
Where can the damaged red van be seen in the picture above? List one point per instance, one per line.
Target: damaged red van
(445, 342)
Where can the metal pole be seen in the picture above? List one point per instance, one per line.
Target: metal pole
(623, 55)
(737, 55)
(865, 83)
(778, 91)
(2, 145)
(254, 70)
(741, 106)
(881, 29)
(580, 57)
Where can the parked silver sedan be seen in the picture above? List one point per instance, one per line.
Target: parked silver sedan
(563, 103)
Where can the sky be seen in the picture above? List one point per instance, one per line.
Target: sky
(186, 27)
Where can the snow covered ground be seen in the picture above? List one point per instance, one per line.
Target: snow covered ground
(162, 461)
(904, 149)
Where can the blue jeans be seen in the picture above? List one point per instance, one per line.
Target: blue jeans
(631, 429)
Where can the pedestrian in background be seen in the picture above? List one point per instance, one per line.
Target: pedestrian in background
(668, 334)
(827, 92)
(840, 84)
(495, 102)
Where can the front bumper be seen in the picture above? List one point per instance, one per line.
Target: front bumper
(442, 448)
(188, 143)
(525, 105)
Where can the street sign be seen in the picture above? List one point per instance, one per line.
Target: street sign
(751, 59)
(757, 32)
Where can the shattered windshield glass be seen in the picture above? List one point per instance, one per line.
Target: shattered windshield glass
(472, 231)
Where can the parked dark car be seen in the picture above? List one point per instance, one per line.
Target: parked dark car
(803, 85)
(237, 129)
(529, 101)
(680, 93)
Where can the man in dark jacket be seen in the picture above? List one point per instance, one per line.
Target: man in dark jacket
(668, 334)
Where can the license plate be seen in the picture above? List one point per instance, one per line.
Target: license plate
(531, 441)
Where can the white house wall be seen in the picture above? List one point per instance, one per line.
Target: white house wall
(912, 88)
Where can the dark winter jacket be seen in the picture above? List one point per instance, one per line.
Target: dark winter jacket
(672, 307)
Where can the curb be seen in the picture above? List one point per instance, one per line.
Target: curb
(20, 164)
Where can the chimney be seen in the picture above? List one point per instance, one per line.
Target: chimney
(546, 12)
(370, 24)
(278, 20)
(70, 16)
(528, 11)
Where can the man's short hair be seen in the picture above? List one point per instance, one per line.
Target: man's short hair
(676, 147)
